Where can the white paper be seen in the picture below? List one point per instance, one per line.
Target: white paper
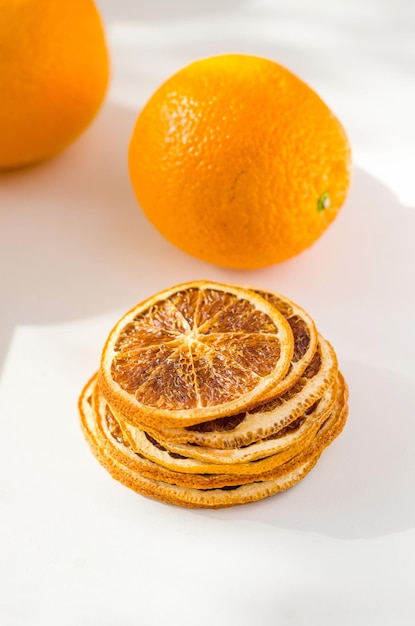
(76, 252)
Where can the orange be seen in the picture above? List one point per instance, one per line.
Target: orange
(238, 162)
(53, 76)
(193, 352)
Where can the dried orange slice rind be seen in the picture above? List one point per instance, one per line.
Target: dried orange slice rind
(195, 351)
(270, 457)
(201, 491)
(285, 445)
(106, 440)
(305, 337)
(292, 436)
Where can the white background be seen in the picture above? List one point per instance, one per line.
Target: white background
(76, 548)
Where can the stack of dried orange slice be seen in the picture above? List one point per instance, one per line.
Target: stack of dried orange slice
(210, 395)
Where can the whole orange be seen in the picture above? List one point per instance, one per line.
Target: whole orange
(238, 162)
(53, 76)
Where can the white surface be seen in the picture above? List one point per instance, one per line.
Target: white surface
(77, 548)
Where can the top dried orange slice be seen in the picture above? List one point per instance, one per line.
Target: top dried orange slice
(194, 352)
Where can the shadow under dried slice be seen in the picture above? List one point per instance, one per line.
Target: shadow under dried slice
(194, 352)
(260, 422)
(207, 497)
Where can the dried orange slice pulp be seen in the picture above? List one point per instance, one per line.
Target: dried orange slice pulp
(193, 352)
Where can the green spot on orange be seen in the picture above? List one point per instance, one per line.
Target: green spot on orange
(323, 202)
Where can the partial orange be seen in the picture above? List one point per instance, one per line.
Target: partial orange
(53, 76)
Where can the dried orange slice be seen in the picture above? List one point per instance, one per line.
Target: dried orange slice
(274, 450)
(197, 351)
(289, 437)
(109, 446)
(198, 490)
(263, 420)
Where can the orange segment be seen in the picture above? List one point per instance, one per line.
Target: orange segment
(193, 352)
